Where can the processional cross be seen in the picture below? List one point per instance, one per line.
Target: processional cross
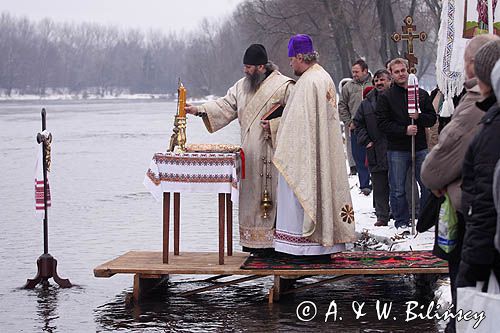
(409, 33)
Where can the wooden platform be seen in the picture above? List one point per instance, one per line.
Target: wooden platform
(205, 263)
(142, 262)
(150, 270)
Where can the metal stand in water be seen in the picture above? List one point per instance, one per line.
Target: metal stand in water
(47, 265)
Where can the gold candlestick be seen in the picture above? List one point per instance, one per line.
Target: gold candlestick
(181, 92)
(181, 135)
(178, 138)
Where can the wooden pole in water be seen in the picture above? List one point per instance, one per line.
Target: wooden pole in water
(41, 139)
(47, 265)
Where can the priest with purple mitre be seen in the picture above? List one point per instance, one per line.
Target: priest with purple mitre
(315, 214)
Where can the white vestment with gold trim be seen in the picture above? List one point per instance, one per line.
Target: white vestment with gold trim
(248, 108)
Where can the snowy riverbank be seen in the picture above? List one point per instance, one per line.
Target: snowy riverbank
(67, 96)
(391, 239)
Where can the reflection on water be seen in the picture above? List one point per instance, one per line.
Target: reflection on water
(47, 306)
(244, 308)
(101, 210)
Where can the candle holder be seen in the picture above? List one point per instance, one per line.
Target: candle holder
(178, 137)
(181, 134)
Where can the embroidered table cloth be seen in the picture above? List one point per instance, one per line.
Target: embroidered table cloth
(193, 172)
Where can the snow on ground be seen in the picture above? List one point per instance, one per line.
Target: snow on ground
(65, 96)
(202, 100)
(391, 239)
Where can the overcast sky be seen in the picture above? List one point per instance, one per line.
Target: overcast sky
(165, 15)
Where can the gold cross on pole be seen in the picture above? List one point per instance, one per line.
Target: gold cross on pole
(409, 33)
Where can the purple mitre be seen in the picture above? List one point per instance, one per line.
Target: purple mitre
(300, 43)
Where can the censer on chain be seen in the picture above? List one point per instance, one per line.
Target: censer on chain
(266, 204)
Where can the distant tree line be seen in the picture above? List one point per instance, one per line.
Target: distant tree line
(42, 55)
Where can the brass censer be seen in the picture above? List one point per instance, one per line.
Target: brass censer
(266, 204)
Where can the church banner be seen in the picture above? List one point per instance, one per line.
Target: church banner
(461, 20)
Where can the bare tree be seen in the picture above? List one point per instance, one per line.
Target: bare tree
(37, 56)
(388, 49)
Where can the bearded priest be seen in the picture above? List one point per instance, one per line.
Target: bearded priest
(249, 100)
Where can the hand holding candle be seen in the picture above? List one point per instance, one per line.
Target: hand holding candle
(191, 109)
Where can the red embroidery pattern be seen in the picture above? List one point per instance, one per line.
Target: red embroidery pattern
(290, 238)
(151, 175)
(186, 178)
(39, 195)
(198, 159)
(350, 260)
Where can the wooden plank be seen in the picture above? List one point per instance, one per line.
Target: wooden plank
(220, 285)
(206, 263)
(315, 284)
(186, 263)
(215, 278)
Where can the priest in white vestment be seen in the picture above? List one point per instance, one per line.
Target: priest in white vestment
(315, 214)
(248, 100)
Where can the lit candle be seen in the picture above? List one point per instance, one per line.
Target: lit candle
(182, 101)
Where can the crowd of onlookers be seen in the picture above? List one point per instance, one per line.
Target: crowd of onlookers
(456, 153)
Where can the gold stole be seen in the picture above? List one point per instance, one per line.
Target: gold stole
(260, 99)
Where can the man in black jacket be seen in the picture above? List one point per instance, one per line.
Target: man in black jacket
(374, 140)
(394, 120)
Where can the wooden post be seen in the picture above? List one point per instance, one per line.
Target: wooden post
(229, 218)
(177, 217)
(144, 285)
(222, 220)
(46, 263)
(166, 223)
(275, 291)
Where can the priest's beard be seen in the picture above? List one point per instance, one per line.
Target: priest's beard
(253, 81)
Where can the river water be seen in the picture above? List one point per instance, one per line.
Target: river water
(100, 152)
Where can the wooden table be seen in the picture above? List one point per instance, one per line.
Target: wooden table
(225, 215)
(195, 172)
